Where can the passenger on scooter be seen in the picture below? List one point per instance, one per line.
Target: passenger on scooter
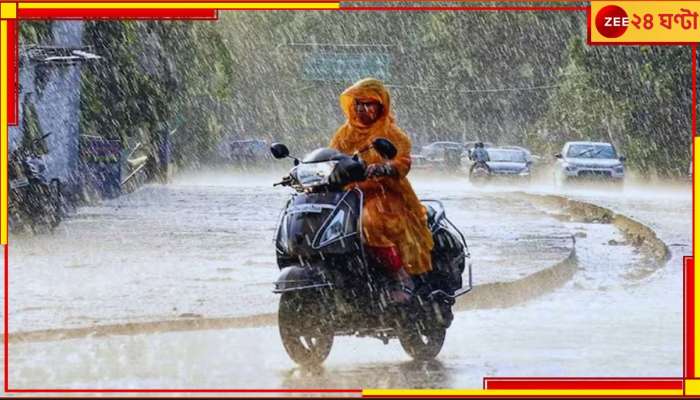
(394, 222)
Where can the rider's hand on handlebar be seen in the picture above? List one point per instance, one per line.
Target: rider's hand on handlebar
(286, 181)
(380, 169)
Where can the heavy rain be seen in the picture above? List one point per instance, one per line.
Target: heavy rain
(148, 245)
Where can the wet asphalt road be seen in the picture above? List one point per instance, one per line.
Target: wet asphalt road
(201, 250)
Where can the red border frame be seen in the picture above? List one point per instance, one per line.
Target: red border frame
(489, 383)
(150, 14)
(12, 71)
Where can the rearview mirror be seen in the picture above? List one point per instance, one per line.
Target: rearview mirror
(385, 148)
(623, 158)
(558, 155)
(279, 150)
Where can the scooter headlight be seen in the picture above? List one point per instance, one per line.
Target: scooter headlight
(334, 229)
(314, 174)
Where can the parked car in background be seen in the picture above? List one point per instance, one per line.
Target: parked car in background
(589, 160)
(508, 163)
(419, 162)
(437, 150)
(247, 150)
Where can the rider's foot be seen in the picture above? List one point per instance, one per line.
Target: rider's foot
(399, 296)
(402, 291)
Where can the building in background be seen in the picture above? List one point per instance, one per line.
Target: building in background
(49, 102)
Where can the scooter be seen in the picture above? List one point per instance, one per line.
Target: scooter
(35, 201)
(331, 286)
(480, 173)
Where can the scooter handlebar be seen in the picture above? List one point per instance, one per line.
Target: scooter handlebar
(286, 181)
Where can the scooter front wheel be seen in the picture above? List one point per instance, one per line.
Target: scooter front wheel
(306, 339)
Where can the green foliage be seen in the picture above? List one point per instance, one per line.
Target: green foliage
(35, 32)
(636, 98)
(157, 75)
(511, 78)
(442, 68)
(32, 129)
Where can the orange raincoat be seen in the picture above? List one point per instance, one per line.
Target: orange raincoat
(393, 215)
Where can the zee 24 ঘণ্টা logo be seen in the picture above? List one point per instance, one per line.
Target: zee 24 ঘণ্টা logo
(612, 21)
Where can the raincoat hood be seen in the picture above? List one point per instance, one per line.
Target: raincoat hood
(366, 89)
(392, 214)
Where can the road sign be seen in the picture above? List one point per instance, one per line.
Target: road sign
(346, 66)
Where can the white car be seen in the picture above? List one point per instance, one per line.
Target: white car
(589, 160)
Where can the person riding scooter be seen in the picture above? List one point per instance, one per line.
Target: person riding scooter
(480, 157)
(394, 221)
(332, 284)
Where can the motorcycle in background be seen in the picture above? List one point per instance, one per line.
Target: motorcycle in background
(34, 200)
(479, 173)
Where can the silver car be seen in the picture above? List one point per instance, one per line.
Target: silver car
(589, 160)
(436, 151)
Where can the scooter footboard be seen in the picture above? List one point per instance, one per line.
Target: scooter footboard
(294, 278)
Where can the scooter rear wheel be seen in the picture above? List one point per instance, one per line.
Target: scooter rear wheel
(479, 176)
(306, 339)
(423, 344)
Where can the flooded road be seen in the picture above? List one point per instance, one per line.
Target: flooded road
(170, 286)
(202, 248)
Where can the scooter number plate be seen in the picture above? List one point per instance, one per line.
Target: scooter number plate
(309, 208)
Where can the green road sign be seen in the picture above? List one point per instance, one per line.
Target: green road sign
(345, 67)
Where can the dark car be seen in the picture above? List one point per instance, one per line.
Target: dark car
(509, 162)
